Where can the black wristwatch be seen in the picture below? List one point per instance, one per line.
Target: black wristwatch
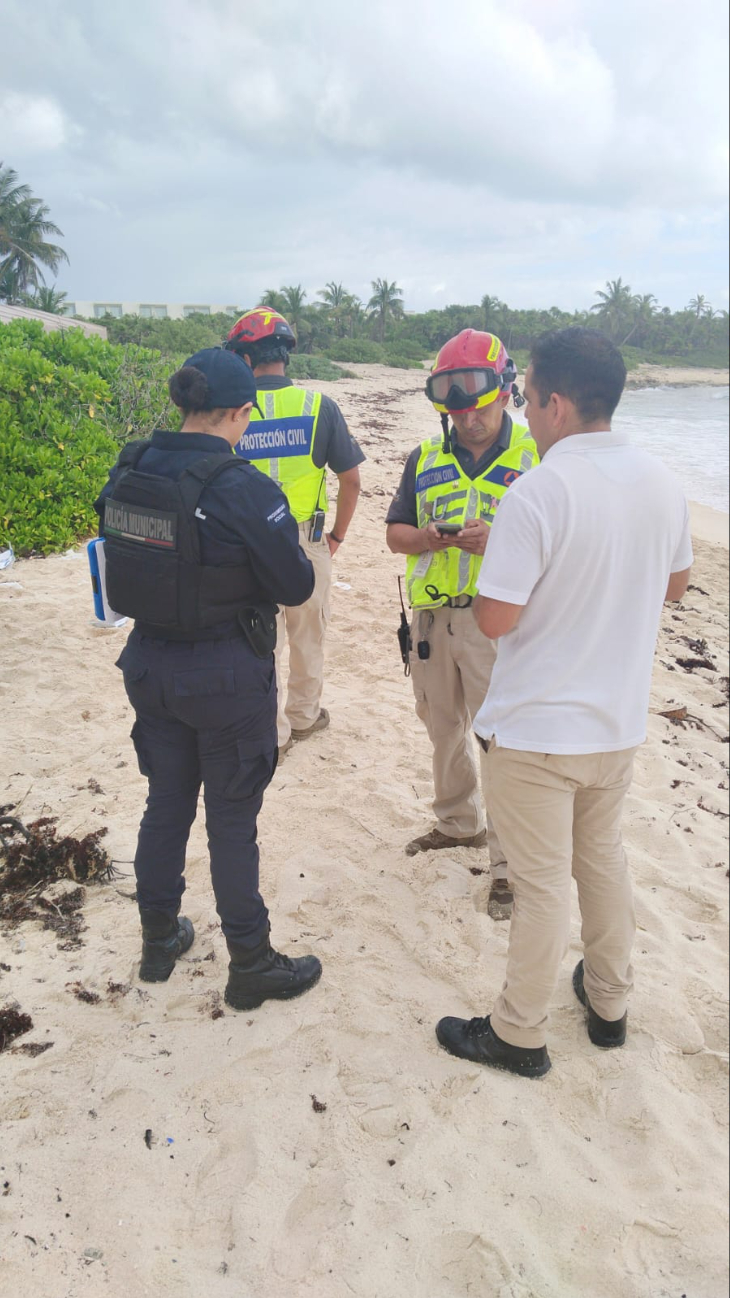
(338, 539)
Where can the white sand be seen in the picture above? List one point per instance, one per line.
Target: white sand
(670, 376)
(425, 1177)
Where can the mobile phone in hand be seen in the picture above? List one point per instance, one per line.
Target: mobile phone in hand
(448, 529)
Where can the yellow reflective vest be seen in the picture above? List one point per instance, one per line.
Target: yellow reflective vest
(281, 445)
(444, 493)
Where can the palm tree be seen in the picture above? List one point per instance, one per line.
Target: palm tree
(293, 296)
(615, 305)
(11, 195)
(354, 316)
(46, 299)
(336, 302)
(643, 305)
(9, 291)
(491, 307)
(24, 231)
(387, 300)
(275, 299)
(333, 295)
(699, 305)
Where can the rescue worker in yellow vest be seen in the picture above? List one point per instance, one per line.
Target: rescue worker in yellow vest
(440, 518)
(299, 435)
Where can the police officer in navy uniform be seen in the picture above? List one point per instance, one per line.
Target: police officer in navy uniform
(199, 549)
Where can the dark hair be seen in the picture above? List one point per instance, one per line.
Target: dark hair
(262, 352)
(190, 392)
(582, 365)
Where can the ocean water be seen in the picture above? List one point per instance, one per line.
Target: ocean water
(689, 428)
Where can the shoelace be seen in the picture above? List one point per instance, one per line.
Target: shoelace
(477, 1028)
(282, 961)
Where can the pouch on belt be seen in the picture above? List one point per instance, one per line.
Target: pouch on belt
(258, 622)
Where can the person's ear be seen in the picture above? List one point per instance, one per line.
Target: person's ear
(242, 416)
(559, 410)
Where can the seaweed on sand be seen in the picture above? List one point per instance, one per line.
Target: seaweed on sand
(34, 858)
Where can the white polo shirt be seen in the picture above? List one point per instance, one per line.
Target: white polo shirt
(587, 541)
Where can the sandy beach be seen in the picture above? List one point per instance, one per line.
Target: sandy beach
(160, 1147)
(670, 376)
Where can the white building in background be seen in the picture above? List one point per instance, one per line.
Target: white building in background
(147, 310)
(49, 322)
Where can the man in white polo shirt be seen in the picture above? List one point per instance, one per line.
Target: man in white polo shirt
(582, 554)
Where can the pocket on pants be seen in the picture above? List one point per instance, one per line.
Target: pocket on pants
(130, 666)
(255, 766)
(143, 761)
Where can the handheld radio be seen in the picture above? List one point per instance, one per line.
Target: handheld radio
(102, 610)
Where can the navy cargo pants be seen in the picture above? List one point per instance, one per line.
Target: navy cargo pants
(205, 714)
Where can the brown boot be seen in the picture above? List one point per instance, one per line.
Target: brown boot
(499, 901)
(321, 723)
(435, 840)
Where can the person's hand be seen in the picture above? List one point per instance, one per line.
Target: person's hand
(473, 536)
(332, 543)
(435, 541)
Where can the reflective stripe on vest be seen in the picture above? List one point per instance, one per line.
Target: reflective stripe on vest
(281, 445)
(444, 493)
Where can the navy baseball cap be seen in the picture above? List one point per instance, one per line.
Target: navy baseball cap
(230, 380)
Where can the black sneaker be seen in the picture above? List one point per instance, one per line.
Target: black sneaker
(476, 1040)
(264, 974)
(602, 1032)
(163, 940)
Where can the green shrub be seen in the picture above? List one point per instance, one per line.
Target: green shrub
(399, 361)
(357, 351)
(67, 402)
(316, 367)
(407, 347)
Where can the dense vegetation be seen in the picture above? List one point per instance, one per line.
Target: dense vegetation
(67, 402)
(341, 328)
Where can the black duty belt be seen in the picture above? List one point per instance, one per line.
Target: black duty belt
(460, 601)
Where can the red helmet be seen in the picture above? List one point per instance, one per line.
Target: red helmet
(260, 325)
(470, 371)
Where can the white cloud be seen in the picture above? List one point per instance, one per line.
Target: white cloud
(530, 150)
(30, 123)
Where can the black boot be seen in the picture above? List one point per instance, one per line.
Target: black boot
(163, 940)
(602, 1032)
(261, 974)
(476, 1040)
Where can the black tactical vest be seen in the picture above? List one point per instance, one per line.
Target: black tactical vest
(152, 551)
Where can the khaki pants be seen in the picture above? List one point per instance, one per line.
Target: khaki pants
(304, 627)
(450, 687)
(557, 816)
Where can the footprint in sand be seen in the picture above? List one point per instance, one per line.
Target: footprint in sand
(313, 1215)
(221, 1181)
(462, 1262)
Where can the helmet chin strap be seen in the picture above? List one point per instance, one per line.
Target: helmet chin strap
(446, 444)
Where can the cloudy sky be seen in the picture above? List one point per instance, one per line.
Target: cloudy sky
(205, 150)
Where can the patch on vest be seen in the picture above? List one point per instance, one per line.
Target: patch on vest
(503, 476)
(138, 523)
(436, 477)
(273, 439)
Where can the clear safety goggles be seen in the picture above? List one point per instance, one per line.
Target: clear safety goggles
(462, 389)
